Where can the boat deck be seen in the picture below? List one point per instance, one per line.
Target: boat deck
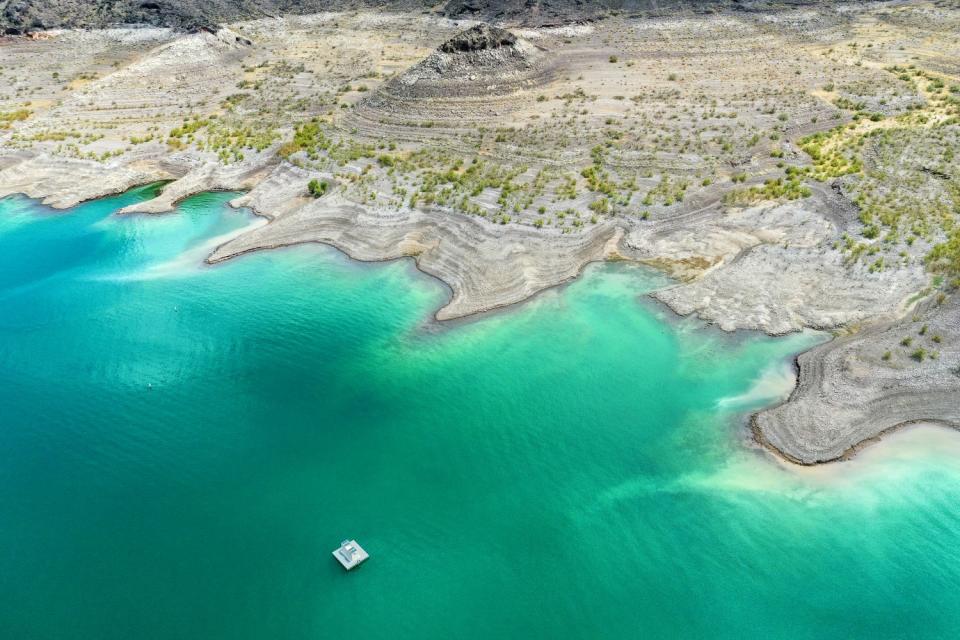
(350, 554)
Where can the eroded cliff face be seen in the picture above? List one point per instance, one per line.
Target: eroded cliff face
(20, 16)
(23, 16)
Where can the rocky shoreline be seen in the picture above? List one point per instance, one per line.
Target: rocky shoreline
(767, 263)
(841, 401)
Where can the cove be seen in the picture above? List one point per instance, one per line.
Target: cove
(182, 446)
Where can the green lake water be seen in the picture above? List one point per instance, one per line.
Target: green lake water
(182, 447)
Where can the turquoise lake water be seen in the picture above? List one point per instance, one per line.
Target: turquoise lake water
(182, 447)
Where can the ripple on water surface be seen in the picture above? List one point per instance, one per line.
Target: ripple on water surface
(183, 446)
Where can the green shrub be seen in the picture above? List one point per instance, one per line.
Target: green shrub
(945, 257)
(317, 188)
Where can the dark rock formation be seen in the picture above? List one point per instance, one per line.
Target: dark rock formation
(478, 38)
(21, 16)
(479, 73)
(482, 61)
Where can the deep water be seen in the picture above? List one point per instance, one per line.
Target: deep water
(182, 447)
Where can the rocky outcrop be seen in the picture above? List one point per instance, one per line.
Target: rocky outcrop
(65, 182)
(481, 37)
(770, 268)
(21, 16)
(486, 266)
(202, 177)
(478, 74)
(856, 388)
(482, 61)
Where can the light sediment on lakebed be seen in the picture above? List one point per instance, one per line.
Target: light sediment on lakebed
(488, 268)
(297, 394)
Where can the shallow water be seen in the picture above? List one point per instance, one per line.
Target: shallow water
(182, 446)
